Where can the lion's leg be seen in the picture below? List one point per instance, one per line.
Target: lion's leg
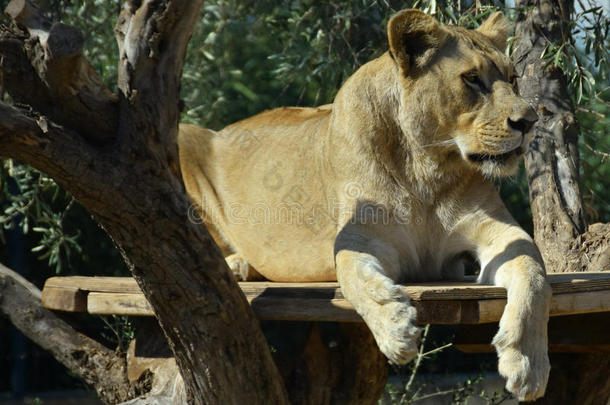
(239, 266)
(366, 275)
(241, 269)
(521, 341)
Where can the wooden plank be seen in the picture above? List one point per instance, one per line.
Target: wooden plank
(100, 284)
(340, 310)
(266, 308)
(567, 334)
(490, 310)
(580, 303)
(564, 283)
(561, 305)
(304, 309)
(69, 299)
(101, 303)
(293, 309)
(324, 301)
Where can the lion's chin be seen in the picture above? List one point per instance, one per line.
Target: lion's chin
(500, 158)
(496, 165)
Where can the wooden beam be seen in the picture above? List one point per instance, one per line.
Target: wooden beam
(561, 283)
(583, 333)
(436, 303)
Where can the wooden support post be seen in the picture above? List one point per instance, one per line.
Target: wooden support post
(334, 364)
(321, 363)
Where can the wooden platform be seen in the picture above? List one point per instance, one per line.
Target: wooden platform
(436, 303)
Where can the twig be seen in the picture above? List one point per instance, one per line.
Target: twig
(604, 155)
(438, 349)
(434, 394)
(416, 365)
(589, 111)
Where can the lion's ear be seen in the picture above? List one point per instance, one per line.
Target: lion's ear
(413, 37)
(496, 28)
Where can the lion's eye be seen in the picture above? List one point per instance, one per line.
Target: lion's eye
(473, 80)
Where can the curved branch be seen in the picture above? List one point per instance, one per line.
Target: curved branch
(71, 161)
(92, 362)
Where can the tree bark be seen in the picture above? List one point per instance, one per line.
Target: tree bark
(560, 228)
(130, 181)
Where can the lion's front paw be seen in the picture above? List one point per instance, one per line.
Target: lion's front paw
(526, 370)
(393, 326)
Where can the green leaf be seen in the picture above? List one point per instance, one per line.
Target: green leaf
(243, 89)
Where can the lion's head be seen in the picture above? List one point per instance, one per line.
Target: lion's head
(462, 90)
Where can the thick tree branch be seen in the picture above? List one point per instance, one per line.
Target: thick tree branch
(62, 154)
(98, 366)
(152, 39)
(200, 294)
(44, 67)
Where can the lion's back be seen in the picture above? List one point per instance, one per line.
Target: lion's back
(258, 181)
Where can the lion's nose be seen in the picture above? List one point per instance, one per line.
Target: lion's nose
(523, 125)
(524, 121)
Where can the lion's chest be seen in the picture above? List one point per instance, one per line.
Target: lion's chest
(426, 248)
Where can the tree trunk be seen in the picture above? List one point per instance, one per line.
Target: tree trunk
(552, 158)
(552, 165)
(130, 181)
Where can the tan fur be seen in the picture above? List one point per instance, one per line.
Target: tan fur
(387, 185)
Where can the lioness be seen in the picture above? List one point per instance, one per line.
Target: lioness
(389, 184)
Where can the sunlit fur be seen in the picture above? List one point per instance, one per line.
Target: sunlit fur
(387, 185)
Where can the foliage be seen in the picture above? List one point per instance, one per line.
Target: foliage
(33, 200)
(119, 331)
(248, 56)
